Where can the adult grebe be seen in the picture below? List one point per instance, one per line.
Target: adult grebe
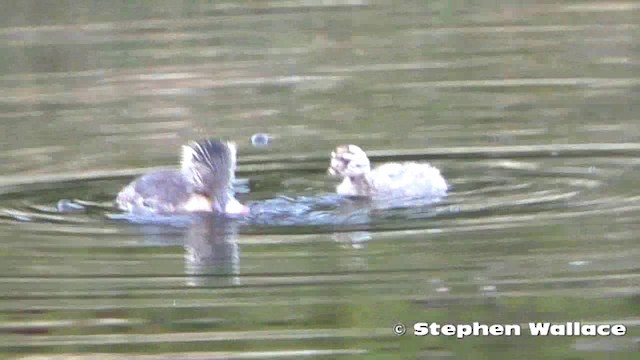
(204, 183)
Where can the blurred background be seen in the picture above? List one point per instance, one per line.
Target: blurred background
(530, 109)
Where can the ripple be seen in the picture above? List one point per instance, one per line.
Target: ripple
(542, 162)
(520, 184)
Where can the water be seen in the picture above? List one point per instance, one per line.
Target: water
(530, 110)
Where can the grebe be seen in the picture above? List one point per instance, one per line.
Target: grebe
(204, 183)
(408, 180)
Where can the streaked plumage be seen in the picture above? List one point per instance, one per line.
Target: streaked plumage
(203, 183)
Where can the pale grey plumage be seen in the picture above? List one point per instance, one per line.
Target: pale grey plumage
(203, 183)
(409, 180)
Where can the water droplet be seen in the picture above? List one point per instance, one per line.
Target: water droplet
(260, 140)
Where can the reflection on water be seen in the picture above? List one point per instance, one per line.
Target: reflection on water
(210, 247)
(529, 110)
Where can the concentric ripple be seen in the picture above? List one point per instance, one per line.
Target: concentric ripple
(489, 187)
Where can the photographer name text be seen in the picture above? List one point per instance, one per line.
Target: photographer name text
(534, 328)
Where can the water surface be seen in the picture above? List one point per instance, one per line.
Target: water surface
(530, 110)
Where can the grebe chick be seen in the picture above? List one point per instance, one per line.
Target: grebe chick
(204, 183)
(408, 180)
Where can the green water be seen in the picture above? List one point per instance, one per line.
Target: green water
(530, 110)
